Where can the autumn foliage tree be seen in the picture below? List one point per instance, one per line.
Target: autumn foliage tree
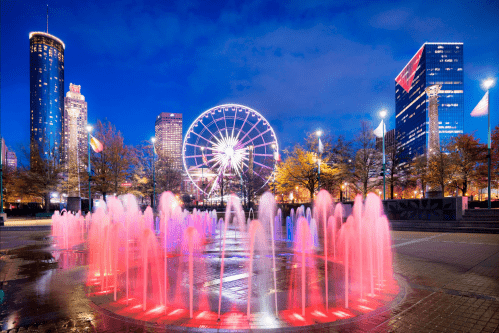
(300, 169)
(114, 164)
(418, 172)
(466, 155)
(367, 160)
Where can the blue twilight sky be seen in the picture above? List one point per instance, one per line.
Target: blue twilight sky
(302, 64)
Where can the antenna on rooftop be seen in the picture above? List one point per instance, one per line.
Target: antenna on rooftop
(47, 18)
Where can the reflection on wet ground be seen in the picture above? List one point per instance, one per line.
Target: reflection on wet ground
(452, 285)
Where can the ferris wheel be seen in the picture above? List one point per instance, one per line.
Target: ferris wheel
(229, 141)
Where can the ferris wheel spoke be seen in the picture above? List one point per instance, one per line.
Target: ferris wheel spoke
(207, 129)
(234, 124)
(249, 132)
(242, 126)
(214, 121)
(256, 137)
(213, 184)
(194, 156)
(268, 155)
(225, 122)
(194, 145)
(199, 135)
(207, 163)
(263, 165)
(260, 176)
(265, 144)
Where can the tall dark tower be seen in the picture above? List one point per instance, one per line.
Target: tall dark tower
(46, 95)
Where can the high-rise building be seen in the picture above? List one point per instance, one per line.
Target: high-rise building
(390, 140)
(168, 130)
(3, 157)
(11, 160)
(75, 136)
(46, 94)
(434, 63)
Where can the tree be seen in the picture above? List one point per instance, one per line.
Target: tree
(466, 153)
(168, 178)
(341, 158)
(44, 175)
(14, 183)
(113, 165)
(495, 156)
(300, 169)
(367, 160)
(440, 170)
(396, 175)
(418, 172)
(143, 171)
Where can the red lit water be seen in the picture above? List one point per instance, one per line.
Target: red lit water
(161, 274)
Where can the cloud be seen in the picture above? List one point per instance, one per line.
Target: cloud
(392, 19)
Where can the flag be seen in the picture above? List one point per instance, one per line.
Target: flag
(321, 146)
(379, 130)
(96, 145)
(205, 160)
(482, 108)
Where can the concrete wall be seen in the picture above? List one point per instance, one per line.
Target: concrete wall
(433, 209)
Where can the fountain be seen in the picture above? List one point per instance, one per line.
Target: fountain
(240, 272)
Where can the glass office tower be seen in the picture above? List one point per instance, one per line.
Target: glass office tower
(434, 63)
(168, 128)
(46, 94)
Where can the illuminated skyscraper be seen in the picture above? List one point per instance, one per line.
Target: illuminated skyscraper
(46, 94)
(75, 136)
(11, 160)
(3, 157)
(434, 63)
(168, 130)
(76, 101)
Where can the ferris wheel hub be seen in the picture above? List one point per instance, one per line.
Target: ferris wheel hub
(229, 151)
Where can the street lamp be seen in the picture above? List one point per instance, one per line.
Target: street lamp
(153, 140)
(382, 114)
(487, 84)
(275, 162)
(202, 176)
(319, 133)
(89, 130)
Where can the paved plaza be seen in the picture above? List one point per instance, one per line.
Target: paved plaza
(449, 283)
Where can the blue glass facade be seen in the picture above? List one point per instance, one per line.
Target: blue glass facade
(46, 94)
(439, 63)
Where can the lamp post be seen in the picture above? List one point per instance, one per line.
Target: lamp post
(202, 176)
(382, 114)
(89, 129)
(153, 140)
(319, 133)
(275, 161)
(487, 84)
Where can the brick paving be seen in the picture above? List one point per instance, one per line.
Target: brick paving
(450, 284)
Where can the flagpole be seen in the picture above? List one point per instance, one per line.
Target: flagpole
(384, 164)
(382, 114)
(89, 129)
(487, 84)
(153, 140)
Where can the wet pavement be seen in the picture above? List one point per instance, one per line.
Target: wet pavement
(449, 283)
